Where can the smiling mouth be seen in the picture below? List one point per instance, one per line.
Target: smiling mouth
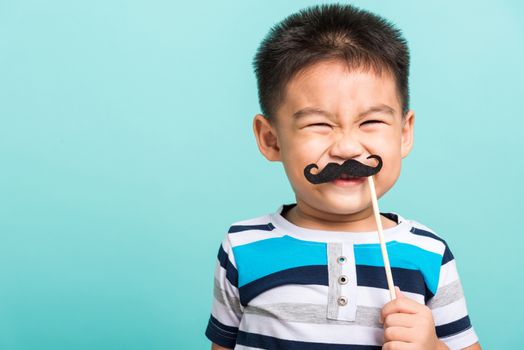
(345, 180)
(347, 177)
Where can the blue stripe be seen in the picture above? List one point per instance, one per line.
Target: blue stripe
(407, 280)
(231, 271)
(261, 258)
(240, 228)
(453, 328)
(221, 334)
(448, 256)
(404, 256)
(316, 274)
(260, 341)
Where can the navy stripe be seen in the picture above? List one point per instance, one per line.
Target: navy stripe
(312, 274)
(407, 280)
(221, 334)
(448, 256)
(228, 329)
(260, 341)
(240, 228)
(391, 216)
(454, 327)
(231, 271)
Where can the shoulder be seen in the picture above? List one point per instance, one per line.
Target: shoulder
(259, 223)
(247, 231)
(427, 238)
(239, 233)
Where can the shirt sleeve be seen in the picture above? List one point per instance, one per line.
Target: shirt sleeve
(226, 313)
(448, 306)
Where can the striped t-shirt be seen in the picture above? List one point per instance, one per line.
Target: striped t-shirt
(281, 286)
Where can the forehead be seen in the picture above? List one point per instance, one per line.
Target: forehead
(333, 86)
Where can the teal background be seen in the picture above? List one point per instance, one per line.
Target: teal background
(113, 114)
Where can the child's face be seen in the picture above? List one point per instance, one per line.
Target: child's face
(341, 133)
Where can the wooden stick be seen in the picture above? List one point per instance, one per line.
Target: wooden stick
(385, 257)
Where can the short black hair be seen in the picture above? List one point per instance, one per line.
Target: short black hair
(329, 32)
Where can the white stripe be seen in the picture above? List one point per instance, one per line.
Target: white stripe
(320, 333)
(251, 236)
(378, 297)
(260, 220)
(243, 347)
(461, 340)
(448, 274)
(426, 243)
(292, 293)
(450, 312)
(317, 294)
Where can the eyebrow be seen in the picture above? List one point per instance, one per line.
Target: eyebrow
(378, 108)
(312, 110)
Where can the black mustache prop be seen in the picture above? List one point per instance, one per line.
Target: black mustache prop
(350, 167)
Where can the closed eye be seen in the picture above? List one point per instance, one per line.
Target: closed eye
(371, 122)
(319, 128)
(320, 124)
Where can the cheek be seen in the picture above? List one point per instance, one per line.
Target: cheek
(386, 144)
(389, 149)
(299, 153)
(304, 150)
(390, 171)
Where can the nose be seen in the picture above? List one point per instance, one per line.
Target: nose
(345, 146)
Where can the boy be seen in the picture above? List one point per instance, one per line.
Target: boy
(333, 86)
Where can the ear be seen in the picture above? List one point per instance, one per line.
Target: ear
(266, 136)
(407, 133)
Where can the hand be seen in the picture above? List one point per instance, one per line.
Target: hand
(408, 325)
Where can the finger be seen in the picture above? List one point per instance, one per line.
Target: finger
(399, 334)
(400, 305)
(400, 320)
(398, 345)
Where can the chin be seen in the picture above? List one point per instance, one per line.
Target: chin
(347, 210)
(342, 208)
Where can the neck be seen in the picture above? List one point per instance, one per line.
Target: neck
(363, 221)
